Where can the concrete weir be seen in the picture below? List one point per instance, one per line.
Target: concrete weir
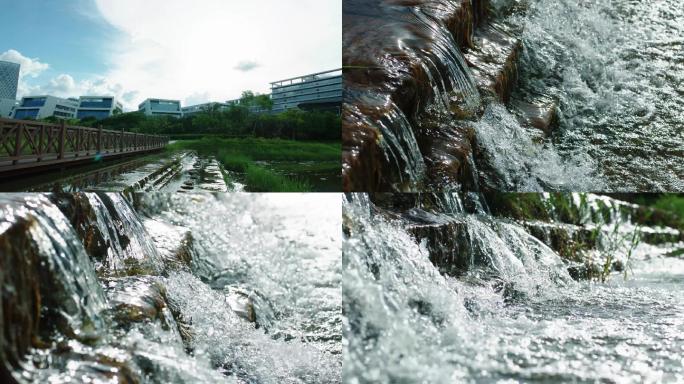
(418, 74)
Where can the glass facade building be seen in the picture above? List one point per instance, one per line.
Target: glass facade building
(40, 107)
(98, 107)
(9, 80)
(321, 90)
(161, 107)
(194, 109)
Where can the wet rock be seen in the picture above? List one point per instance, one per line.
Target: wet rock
(493, 60)
(382, 78)
(364, 165)
(241, 304)
(77, 363)
(571, 242)
(447, 145)
(446, 239)
(47, 285)
(540, 113)
(112, 233)
(136, 299)
(160, 177)
(585, 271)
(174, 243)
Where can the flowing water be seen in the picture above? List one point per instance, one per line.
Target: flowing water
(198, 288)
(616, 67)
(515, 315)
(612, 71)
(178, 172)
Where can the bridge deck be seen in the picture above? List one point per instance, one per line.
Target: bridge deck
(29, 145)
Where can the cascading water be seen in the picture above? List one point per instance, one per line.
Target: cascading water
(416, 41)
(247, 290)
(511, 313)
(575, 96)
(289, 260)
(616, 68)
(521, 164)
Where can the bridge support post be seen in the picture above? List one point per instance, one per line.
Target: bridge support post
(17, 143)
(62, 137)
(41, 138)
(99, 139)
(121, 141)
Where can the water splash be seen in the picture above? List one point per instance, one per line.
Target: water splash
(514, 316)
(521, 164)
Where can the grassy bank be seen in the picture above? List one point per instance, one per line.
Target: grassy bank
(242, 155)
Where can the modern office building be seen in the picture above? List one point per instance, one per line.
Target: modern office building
(99, 107)
(251, 108)
(317, 91)
(40, 107)
(194, 109)
(161, 107)
(7, 107)
(9, 80)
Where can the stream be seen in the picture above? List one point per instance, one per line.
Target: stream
(159, 288)
(519, 95)
(512, 312)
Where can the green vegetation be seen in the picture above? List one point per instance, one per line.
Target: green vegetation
(245, 156)
(271, 152)
(234, 121)
(672, 204)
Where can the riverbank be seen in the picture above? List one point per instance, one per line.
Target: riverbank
(273, 165)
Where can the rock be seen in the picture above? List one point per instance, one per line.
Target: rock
(137, 299)
(539, 114)
(112, 233)
(446, 238)
(241, 304)
(381, 75)
(48, 288)
(493, 60)
(174, 243)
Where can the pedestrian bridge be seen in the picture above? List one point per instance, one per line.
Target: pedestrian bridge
(27, 146)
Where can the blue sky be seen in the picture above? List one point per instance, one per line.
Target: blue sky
(204, 50)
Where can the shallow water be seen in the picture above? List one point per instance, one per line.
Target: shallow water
(406, 322)
(616, 68)
(284, 249)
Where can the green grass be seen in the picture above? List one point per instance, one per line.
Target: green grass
(671, 203)
(259, 179)
(259, 149)
(318, 166)
(240, 155)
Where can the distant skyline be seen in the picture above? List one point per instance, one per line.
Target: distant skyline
(206, 50)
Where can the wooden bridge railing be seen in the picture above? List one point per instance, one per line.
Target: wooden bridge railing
(29, 144)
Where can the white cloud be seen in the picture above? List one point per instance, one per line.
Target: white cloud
(246, 66)
(197, 98)
(218, 48)
(65, 86)
(29, 67)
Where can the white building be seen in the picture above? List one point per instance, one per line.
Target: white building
(99, 107)
(319, 91)
(161, 107)
(7, 107)
(194, 109)
(41, 107)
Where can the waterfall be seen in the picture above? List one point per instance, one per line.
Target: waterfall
(437, 294)
(105, 291)
(589, 103)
